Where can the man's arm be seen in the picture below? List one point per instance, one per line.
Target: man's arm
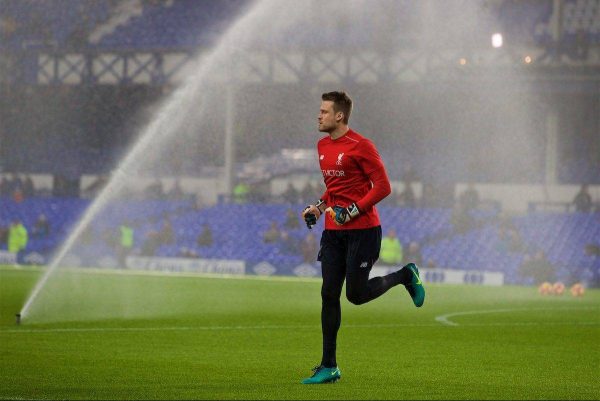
(371, 163)
(311, 213)
(381, 188)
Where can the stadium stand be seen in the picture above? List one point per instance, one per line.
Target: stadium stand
(61, 214)
(181, 23)
(185, 23)
(60, 23)
(110, 24)
(526, 20)
(93, 134)
(531, 21)
(580, 17)
(562, 236)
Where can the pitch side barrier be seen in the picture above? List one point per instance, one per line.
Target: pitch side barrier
(450, 276)
(187, 265)
(7, 258)
(239, 267)
(242, 267)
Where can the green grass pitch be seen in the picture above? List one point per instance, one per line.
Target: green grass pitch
(94, 335)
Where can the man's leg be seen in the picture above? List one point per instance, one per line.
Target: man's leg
(332, 256)
(363, 252)
(360, 289)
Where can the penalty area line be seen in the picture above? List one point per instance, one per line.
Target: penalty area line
(445, 319)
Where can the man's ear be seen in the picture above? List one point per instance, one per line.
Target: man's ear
(339, 116)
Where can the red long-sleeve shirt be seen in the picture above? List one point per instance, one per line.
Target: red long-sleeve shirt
(353, 172)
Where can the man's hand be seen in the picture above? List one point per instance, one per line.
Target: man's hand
(342, 215)
(311, 213)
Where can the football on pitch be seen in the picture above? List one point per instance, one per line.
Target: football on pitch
(558, 288)
(545, 288)
(577, 290)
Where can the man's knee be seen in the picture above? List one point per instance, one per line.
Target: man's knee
(329, 295)
(356, 297)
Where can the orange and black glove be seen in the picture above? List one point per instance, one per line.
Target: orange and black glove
(342, 215)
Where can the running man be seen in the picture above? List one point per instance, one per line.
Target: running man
(355, 180)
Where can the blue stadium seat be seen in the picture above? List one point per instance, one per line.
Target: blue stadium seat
(562, 236)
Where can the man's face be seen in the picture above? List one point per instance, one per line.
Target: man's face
(327, 117)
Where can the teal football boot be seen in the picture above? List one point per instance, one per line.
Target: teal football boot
(415, 288)
(323, 375)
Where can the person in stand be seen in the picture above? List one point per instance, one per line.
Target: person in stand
(309, 248)
(167, 235)
(538, 268)
(28, 187)
(3, 235)
(17, 238)
(583, 200)
(151, 243)
(290, 195)
(407, 197)
(469, 198)
(273, 234)
(413, 254)
(176, 192)
(391, 249)
(41, 228)
(125, 243)
(287, 243)
(291, 220)
(205, 238)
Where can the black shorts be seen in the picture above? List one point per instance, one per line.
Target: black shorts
(350, 250)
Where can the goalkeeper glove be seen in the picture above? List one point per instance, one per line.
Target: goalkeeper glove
(342, 215)
(312, 213)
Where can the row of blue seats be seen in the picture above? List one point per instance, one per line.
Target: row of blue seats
(238, 229)
(240, 237)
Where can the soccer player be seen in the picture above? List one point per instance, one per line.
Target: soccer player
(355, 180)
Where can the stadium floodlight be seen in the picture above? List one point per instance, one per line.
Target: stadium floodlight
(527, 59)
(497, 40)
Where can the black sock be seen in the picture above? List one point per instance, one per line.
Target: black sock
(404, 276)
(331, 316)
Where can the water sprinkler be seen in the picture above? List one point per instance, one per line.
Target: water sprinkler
(18, 318)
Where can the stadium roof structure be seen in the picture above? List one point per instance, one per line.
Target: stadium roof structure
(158, 39)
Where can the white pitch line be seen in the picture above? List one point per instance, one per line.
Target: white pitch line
(199, 328)
(276, 327)
(445, 319)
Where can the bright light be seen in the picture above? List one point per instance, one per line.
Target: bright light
(462, 61)
(527, 59)
(497, 40)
